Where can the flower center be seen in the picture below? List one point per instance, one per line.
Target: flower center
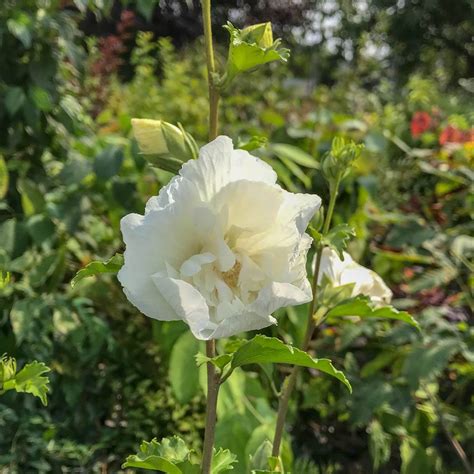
(231, 277)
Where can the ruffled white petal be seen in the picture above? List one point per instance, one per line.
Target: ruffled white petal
(342, 272)
(219, 164)
(221, 247)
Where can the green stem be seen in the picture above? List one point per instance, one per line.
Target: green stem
(213, 384)
(213, 377)
(311, 325)
(211, 70)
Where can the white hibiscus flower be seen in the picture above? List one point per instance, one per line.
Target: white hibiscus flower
(221, 247)
(344, 272)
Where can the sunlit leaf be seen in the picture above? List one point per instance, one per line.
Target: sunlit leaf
(363, 307)
(262, 349)
(338, 238)
(113, 265)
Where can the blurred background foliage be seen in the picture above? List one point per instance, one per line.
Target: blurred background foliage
(396, 77)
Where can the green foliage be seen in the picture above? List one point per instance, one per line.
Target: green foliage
(361, 306)
(262, 350)
(67, 177)
(112, 265)
(250, 48)
(29, 379)
(171, 456)
(338, 238)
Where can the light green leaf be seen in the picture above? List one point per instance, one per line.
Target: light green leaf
(255, 142)
(182, 372)
(263, 349)
(362, 306)
(251, 47)
(338, 238)
(222, 461)
(295, 154)
(29, 379)
(162, 456)
(4, 279)
(3, 178)
(414, 457)
(112, 265)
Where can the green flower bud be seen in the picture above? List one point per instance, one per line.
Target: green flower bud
(259, 460)
(337, 163)
(150, 135)
(165, 145)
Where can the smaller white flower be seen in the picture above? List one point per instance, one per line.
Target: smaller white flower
(344, 272)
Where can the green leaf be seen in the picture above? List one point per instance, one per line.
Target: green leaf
(263, 349)
(4, 279)
(108, 163)
(250, 48)
(295, 154)
(20, 27)
(182, 371)
(255, 142)
(414, 457)
(14, 99)
(379, 445)
(222, 461)
(113, 265)
(3, 178)
(160, 456)
(424, 362)
(170, 456)
(29, 379)
(362, 306)
(338, 238)
(32, 199)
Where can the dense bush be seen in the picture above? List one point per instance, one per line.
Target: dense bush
(67, 176)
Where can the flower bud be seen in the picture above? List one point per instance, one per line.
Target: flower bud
(336, 164)
(7, 368)
(154, 137)
(260, 34)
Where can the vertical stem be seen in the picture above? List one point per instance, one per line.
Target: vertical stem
(213, 383)
(213, 378)
(211, 69)
(290, 382)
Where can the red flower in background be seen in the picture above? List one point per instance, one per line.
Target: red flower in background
(420, 123)
(452, 134)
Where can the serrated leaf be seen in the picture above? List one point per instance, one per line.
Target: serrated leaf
(362, 306)
(338, 238)
(426, 362)
(113, 265)
(222, 461)
(263, 349)
(30, 379)
(250, 48)
(164, 456)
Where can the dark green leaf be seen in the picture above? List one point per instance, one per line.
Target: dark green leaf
(108, 163)
(262, 349)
